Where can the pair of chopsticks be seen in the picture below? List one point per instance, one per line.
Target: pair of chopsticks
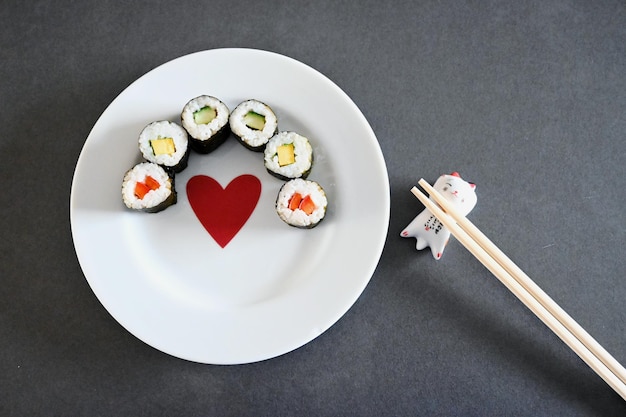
(548, 311)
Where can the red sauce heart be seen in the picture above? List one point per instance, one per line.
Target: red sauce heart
(223, 211)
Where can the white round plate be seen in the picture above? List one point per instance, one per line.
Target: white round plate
(273, 288)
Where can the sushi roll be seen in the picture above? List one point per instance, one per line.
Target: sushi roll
(148, 187)
(165, 143)
(288, 155)
(301, 203)
(253, 123)
(205, 118)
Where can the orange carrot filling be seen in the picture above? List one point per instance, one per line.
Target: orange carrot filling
(151, 183)
(143, 188)
(295, 200)
(305, 204)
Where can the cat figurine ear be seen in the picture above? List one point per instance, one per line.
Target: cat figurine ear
(426, 228)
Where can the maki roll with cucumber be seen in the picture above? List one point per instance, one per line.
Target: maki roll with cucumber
(148, 187)
(165, 143)
(301, 203)
(288, 155)
(253, 123)
(205, 118)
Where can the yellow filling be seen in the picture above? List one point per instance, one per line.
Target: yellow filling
(162, 146)
(286, 155)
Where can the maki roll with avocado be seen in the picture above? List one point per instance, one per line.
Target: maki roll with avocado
(301, 203)
(288, 155)
(165, 143)
(148, 187)
(205, 118)
(253, 123)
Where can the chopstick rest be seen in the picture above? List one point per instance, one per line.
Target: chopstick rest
(426, 228)
(553, 316)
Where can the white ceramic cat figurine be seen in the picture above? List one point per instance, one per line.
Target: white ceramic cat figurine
(426, 228)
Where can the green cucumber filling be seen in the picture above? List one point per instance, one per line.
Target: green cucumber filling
(254, 120)
(204, 115)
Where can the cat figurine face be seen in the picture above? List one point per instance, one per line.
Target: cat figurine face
(426, 228)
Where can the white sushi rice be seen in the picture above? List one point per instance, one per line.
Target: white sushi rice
(302, 151)
(159, 130)
(254, 138)
(208, 130)
(298, 217)
(138, 174)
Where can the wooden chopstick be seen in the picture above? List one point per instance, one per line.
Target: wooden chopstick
(570, 332)
(528, 284)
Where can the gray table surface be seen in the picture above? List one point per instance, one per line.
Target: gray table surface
(525, 98)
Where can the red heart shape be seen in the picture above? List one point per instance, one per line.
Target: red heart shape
(223, 211)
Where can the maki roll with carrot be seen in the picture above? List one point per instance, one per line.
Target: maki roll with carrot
(301, 203)
(148, 187)
(288, 155)
(253, 123)
(165, 143)
(205, 118)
